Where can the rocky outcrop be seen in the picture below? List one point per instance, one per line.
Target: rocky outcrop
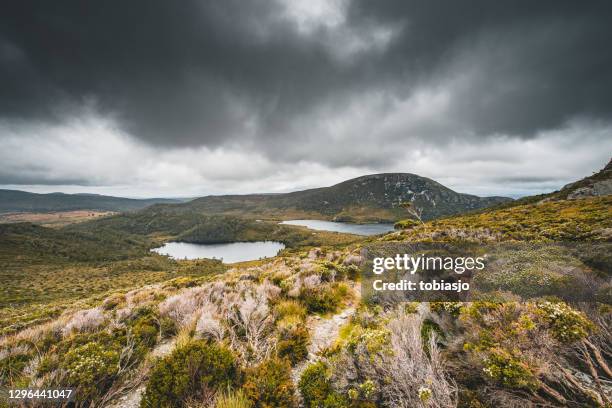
(599, 184)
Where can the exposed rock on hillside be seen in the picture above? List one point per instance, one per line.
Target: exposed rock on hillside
(374, 197)
(600, 184)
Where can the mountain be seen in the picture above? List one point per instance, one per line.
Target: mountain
(22, 201)
(374, 197)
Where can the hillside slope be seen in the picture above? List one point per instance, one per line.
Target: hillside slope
(374, 197)
(22, 201)
(580, 211)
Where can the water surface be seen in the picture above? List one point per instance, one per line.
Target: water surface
(347, 227)
(228, 253)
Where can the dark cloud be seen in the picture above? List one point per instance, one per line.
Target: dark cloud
(231, 72)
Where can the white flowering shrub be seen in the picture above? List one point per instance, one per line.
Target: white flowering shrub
(84, 320)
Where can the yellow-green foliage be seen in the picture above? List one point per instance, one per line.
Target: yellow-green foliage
(91, 368)
(374, 340)
(92, 361)
(269, 384)
(502, 366)
(190, 370)
(293, 343)
(452, 308)
(12, 362)
(584, 219)
(290, 308)
(233, 399)
(36, 290)
(501, 336)
(536, 270)
(324, 298)
(406, 224)
(566, 324)
(316, 388)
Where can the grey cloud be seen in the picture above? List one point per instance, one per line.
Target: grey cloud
(235, 73)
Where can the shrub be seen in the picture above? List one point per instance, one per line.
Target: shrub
(508, 370)
(84, 320)
(145, 331)
(90, 368)
(452, 308)
(293, 343)
(427, 328)
(145, 326)
(324, 299)
(406, 224)
(168, 327)
(113, 301)
(12, 362)
(188, 372)
(566, 324)
(269, 384)
(290, 308)
(314, 385)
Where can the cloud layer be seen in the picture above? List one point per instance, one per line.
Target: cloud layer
(189, 98)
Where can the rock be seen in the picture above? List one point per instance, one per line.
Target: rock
(599, 188)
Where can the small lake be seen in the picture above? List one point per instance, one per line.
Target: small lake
(349, 228)
(229, 252)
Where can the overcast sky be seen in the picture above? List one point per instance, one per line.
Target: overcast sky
(193, 97)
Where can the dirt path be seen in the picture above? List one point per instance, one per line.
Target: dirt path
(323, 334)
(132, 398)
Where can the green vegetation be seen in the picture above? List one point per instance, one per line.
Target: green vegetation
(47, 271)
(269, 384)
(21, 201)
(190, 371)
(234, 399)
(324, 298)
(316, 388)
(239, 333)
(293, 343)
(587, 219)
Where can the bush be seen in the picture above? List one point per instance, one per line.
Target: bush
(12, 363)
(406, 224)
(293, 343)
(190, 371)
(90, 368)
(290, 308)
(314, 385)
(566, 324)
(324, 299)
(508, 370)
(269, 384)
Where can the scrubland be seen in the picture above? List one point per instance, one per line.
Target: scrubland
(239, 336)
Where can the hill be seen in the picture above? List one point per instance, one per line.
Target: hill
(22, 201)
(371, 198)
(301, 324)
(599, 184)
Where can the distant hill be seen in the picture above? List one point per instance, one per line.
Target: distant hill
(22, 201)
(374, 197)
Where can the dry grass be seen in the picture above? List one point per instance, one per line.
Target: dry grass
(54, 219)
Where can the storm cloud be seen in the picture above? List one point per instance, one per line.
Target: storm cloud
(340, 86)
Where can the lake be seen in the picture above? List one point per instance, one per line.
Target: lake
(229, 252)
(358, 229)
